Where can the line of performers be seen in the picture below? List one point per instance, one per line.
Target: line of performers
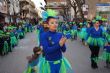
(10, 35)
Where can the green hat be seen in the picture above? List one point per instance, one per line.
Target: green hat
(104, 19)
(51, 12)
(98, 17)
(80, 23)
(94, 21)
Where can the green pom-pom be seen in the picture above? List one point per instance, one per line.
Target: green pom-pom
(74, 23)
(94, 21)
(52, 12)
(104, 19)
(98, 17)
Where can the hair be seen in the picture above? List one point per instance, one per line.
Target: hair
(50, 17)
(36, 49)
(109, 43)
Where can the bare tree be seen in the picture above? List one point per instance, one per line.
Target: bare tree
(77, 6)
(73, 4)
(64, 11)
(80, 3)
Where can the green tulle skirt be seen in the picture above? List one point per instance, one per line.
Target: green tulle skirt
(21, 34)
(31, 69)
(44, 66)
(74, 32)
(82, 35)
(5, 48)
(96, 41)
(64, 32)
(14, 41)
(105, 56)
(108, 37)
(25, 29)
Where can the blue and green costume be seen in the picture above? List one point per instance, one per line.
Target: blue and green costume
(82, 34)
(96, 37)
(54, 61)
(4, 47)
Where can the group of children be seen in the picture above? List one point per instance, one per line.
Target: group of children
(10, 35)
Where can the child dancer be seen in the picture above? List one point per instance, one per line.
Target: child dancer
(33, 61)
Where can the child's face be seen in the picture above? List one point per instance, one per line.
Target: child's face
(53, 24)
(97, 23)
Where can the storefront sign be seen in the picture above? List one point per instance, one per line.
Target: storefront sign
(103, 7)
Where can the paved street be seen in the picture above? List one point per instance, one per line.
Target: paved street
(78, 55)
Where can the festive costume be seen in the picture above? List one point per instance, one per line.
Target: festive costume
(33, 66)
(74, 31)
(39, 31)
(20, 33)
(95, 38)
(3, 43)
(54, 61)
(108, 34)
(95, 41)
(13, 38)
(83, 34)
(106, 55)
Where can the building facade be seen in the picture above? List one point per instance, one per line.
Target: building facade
(3, 10)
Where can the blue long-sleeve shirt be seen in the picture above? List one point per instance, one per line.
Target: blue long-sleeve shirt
(51, 48)
(95, 33)
(74, 27)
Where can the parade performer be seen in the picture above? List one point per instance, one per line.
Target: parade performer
(14, 40)
(107, 55)
(43, 27)
(53, 44)
(83, 33)
(74, 31)
(3, 42)
(33, 61)
(95, 41)
(108, 33)
(38, 32)
(20, 32)
(67, 33)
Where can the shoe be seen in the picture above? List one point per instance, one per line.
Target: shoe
(94, 66)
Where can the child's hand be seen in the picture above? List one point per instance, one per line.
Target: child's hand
(62, 41)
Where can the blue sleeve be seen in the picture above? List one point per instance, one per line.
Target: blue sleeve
(46, 47)
(63, 49)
